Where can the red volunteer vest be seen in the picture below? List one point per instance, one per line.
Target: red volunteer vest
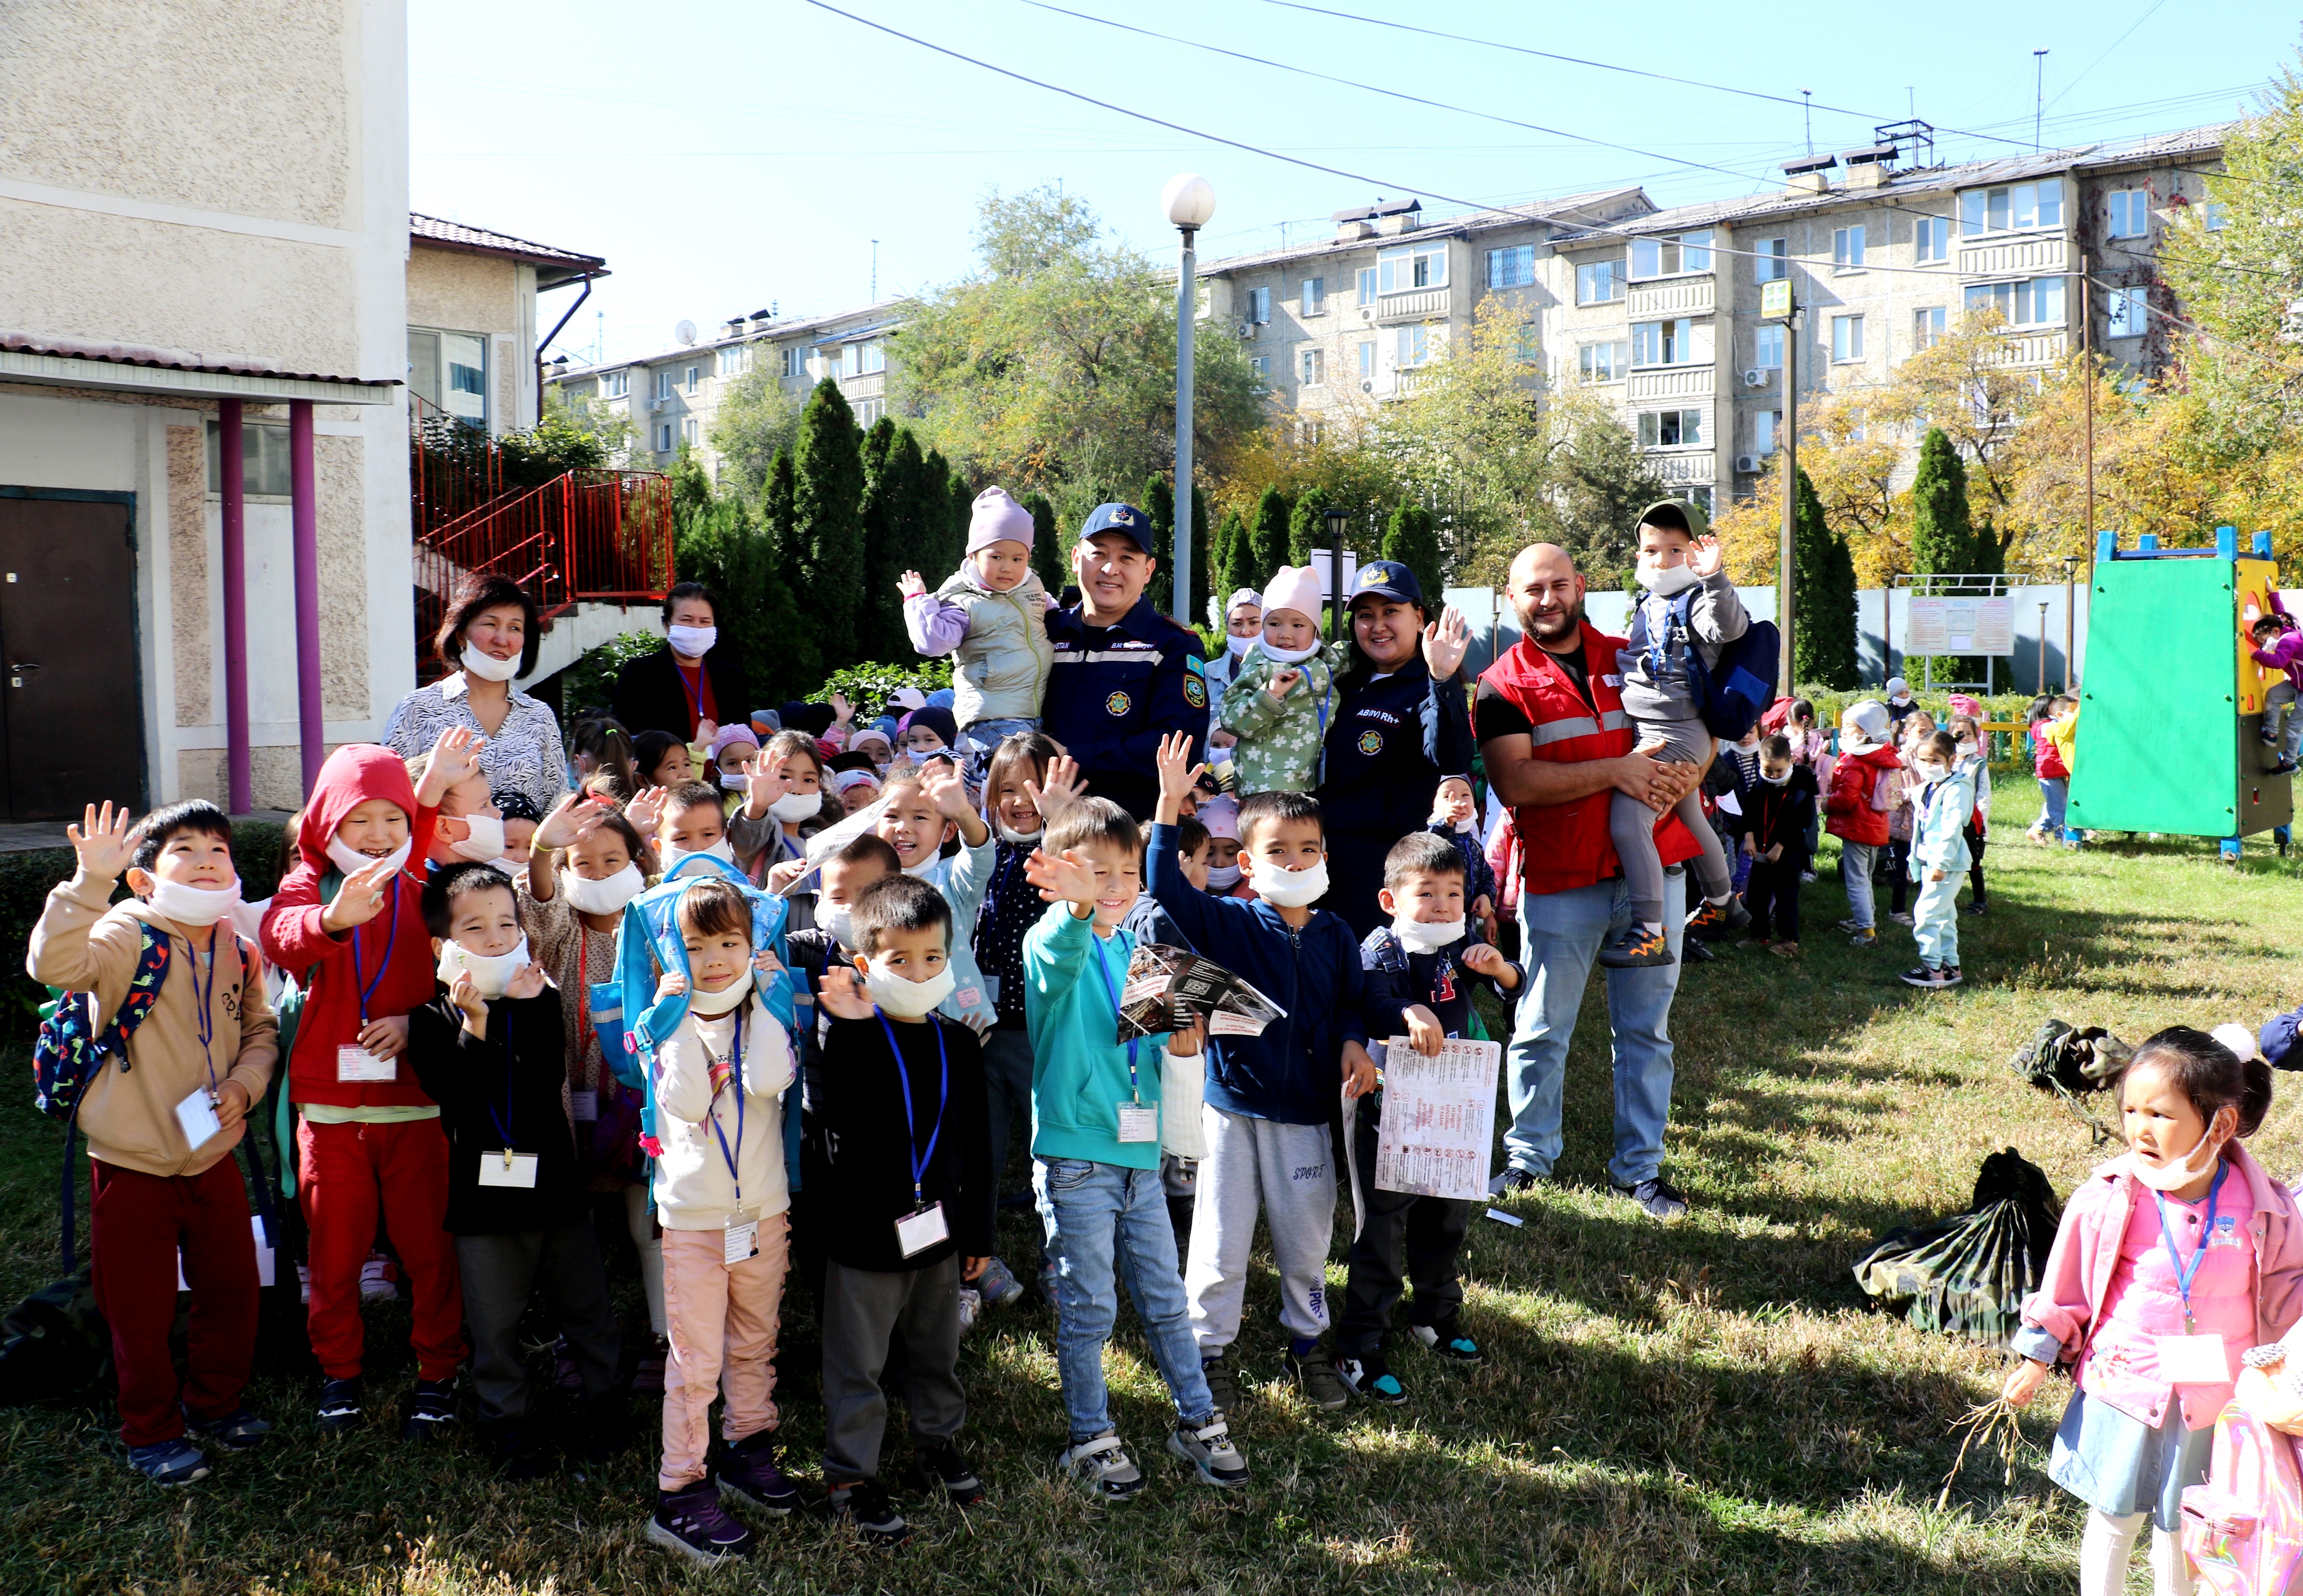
(1567, 845)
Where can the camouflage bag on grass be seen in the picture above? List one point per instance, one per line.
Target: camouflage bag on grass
(2070, 1063)
(1968, 1274)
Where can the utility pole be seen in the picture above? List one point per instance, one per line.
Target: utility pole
(2038, 95)
(1776, 305)
(2086, 365)
(875, 273)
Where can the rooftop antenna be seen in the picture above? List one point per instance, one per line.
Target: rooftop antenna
(2038, 95)
(1808, 99)
(875, 271)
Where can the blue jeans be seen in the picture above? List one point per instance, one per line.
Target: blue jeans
(1562, 933)
(2053, 790)
(979, 741)
(1103, 1221)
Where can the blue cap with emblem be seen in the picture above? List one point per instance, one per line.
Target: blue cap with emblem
(1387, 579)
(1121, 518)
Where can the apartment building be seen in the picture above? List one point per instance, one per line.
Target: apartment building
(472, 314)
(1658, 309)
(672, 396)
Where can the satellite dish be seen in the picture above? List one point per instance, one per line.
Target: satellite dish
(685, 331)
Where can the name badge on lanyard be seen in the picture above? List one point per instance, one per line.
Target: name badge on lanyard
(355, 1062)
(742, 1238)
(1139, 1121)
(925, 1226)
(2192, 1358)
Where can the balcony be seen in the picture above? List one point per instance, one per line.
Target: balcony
(1672, 382)
(1418, 304)
(2039, 255)
(2042, 347)
(1695, 465)
(1671, 296)
(870, 385)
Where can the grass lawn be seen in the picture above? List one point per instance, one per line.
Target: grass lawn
(1706, 1407)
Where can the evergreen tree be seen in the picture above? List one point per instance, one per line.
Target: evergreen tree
(1203, 558)
(1229, 557)
(1823, 597)
(720, 544)
(1413, 539)
(1047, 547)
(879, 516)
(1267, 538)
(828, 489)
(1841, 666)
(1943, 540)
(1159, 503)
(960, 500)
(796, 664)
(1307, 526)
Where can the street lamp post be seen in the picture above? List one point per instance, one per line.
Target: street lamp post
(1336, 520)
(1189, 202)
(2071, 572)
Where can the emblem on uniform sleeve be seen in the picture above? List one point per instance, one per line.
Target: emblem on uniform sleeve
(1119, 703)
(1195, 692)
(1370, 743)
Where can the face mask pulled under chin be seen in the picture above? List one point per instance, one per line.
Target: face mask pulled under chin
(1668, 581)
(606, 895)
(1290, 656)
(189, 905)
(908, 999)
(350, 860)
(710, 1005)
(1424, 935)
(487, 667)
(1290, 889)
(1021, 839)
(2176, 1173)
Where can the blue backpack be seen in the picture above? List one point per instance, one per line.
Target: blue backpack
(1732, 694)
(632, 1023)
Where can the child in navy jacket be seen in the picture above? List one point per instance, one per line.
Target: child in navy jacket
(1269, 1096)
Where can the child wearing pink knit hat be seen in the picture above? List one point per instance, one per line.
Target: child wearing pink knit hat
(990, 615)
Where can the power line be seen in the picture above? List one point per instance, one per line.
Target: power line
(2106, 55)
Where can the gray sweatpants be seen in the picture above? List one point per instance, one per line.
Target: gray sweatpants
(1007, 1091)
(862, 1308)
(500, 1273)
(1288, 1171)
(1631, 824)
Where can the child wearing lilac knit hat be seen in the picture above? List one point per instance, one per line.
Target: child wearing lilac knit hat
(990, 615)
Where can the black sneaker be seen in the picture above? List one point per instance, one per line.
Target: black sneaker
(176, 1462)
(1979, 906)
(1923, 975)
(942, 1467)
(517, 1449)
(1658, 1196)
(1698, 950)
(692, 1523)
(1369, 1376)
(1949, 976)
(1449, 1341)
(1223, 1386)
(1636, 949)
(1315, 1376)
(864, 1504)
(1715, 921)
(340, 1405)
(237, 1431)
(430, 1410)
(1514, 1183)
(749, 1475)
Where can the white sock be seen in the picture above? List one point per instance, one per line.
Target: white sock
(2104, 1551)
(1722, 898)
(1653, 927)
(2171, 1570)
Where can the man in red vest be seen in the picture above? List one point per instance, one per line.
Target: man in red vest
(1552, 731)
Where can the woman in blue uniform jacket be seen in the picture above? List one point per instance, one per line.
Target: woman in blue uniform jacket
(1400, 724)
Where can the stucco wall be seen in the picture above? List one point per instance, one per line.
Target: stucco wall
(188, 570)
(129, 97)
(464, 293)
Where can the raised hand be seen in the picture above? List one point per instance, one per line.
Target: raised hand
(455, 756)
(672, 986)
(527, 983)
(466, 995)
(782, 876)
(940, 781)
(1061, 789)
(769, 783)
(360, 899)
(766, 963)
(1066, 878)
(645, 811)
(841, 993)
(910, 585)
(1707, 558)
(572, 819)
(1178, 774)
(1445, 642)
(1281, 683)
(101, 840)
(842, 712)
(1485, 960)
(706, 730)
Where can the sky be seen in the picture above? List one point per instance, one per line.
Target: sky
(725, 157)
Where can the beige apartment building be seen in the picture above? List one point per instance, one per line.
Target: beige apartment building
(671, 397)
(1657, 309)
(472, 315)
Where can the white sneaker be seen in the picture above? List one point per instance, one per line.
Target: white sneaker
(1103, 1465)
(1208, 1447)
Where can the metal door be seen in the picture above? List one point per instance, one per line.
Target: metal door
(71, 722)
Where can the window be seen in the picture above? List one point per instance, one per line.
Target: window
(1598, 282)
(2131, 312)
(663, 384)
(1367, 360)
(794, 363)
(871, 357)
(2032, 302)
(695, 378)
(2016, 206)
(1846, 337)
(2131, 213)
(1928, 327)
(1311, 365)
(263, 460)
(2218, 216)
(1701, 497)
(1307, 433)
(450, 372)
(1767, 349)
(1259, 306)
(1411, 266)
(1663, 343)
(1528, 346)
(1511, 267)
(1931, 240)
(690, 431)
(1315, 301)
(1671, 429)
(1767, 426)
(1415, 346)
(1667, 256)
(1602, 362)
(1261, 365)
(663, 438)
(733, 359)
(1846, 249)
(616, 384)
(1771, 262)
(1367, 285)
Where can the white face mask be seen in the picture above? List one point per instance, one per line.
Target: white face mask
(2176, 1173)
(711, 1003)
(1238, 647)
(491, 973)
(1424, 935)
(1022, 839)
(1775, 781)
(838, 921)
(734, 781)
(1931, 772)
(487, 667)
(486, 841)
(692, 642)
(1223, 877)
(907, 999)
(1966, 749)
(1668, 581)
(795, 807)
(1289, 656)
(606, 895)
(189, 905)
(350, 860)
(722, 850)
(1289, 889)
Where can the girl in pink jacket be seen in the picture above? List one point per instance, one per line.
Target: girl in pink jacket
(2171, 1261)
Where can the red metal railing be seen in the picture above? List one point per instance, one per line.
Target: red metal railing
(454, 467)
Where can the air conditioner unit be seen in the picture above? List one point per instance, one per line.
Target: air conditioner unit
(1245, 330)
(1754, 377)
(1750, 465)
(1366, 386)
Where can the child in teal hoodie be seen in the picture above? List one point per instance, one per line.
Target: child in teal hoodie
(1095, 1146)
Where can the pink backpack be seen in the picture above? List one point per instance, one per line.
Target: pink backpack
(2243, 1529)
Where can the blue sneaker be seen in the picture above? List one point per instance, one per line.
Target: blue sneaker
(235, 1431)
(1449, 1341)
(176, 1462)
(1369, 1376)
(997, 1284)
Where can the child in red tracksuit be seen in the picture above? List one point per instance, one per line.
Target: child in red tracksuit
(348, 922)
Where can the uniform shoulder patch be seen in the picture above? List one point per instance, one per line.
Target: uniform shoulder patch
(1195, 690)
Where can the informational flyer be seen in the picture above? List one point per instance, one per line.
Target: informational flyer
(1171, 988)
(1438, 1119)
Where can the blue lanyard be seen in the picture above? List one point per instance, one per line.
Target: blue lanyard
(736, 1055)
(694, 695)
(368, 988)
(206, 1000)
(2183, 1275)
(1112, 986)
(503, 1124)
(920, 1161)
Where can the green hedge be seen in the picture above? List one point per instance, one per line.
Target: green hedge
(26, 879)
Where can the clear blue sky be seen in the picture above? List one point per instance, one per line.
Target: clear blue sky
(725, 156)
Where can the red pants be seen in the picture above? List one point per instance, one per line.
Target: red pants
(139, 1221)
(348, 1172)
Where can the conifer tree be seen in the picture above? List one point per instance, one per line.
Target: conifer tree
(1943, 538)
(1267, 538)
(1048, 549)
(1823, 597)
(1413, 539)
(826, 495)
(1307, 526)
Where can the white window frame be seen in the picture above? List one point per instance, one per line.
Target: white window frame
(1314, 300)
(663, 438)
(1512, 265)
(1671, 254)
(1426, 267)
(1771, 260)
(1608, 273)
(1847, 247)
(2011, 207)
(691, 432)
(1767, 431)
(1768, 347)
(695, 381)
(1931, 240)
(1412, 346)
(1367, 360)
(1847, 338)
(2127, 213)
(1685, 425)
(2218, 214)
(2021, 301)
(1668, 342)
(1363, 282)
(2128, 312)
(794, 362)
(733, 359)
(1312, 367)
(1259, 306)
(1609, 361)
(1929, 324)
(663, 382)
(1261, 365)
(871, 357)
(616, 384)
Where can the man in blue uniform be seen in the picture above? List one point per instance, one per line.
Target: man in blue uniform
(1123, 675)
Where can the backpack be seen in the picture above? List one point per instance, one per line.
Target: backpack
(1732, 694)
(71, 1050)
(2243, 1529)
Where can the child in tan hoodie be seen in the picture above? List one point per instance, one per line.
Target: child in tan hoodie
(162, 1127)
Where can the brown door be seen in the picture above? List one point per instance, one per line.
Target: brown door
(73, 720)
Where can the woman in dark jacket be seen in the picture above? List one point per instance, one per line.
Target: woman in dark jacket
(689, 682)
(1400, 724)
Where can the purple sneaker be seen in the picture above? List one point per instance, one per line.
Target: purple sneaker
(750, 1476)
(692, 1523)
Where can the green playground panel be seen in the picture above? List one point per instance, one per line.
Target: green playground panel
(2158, 746)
